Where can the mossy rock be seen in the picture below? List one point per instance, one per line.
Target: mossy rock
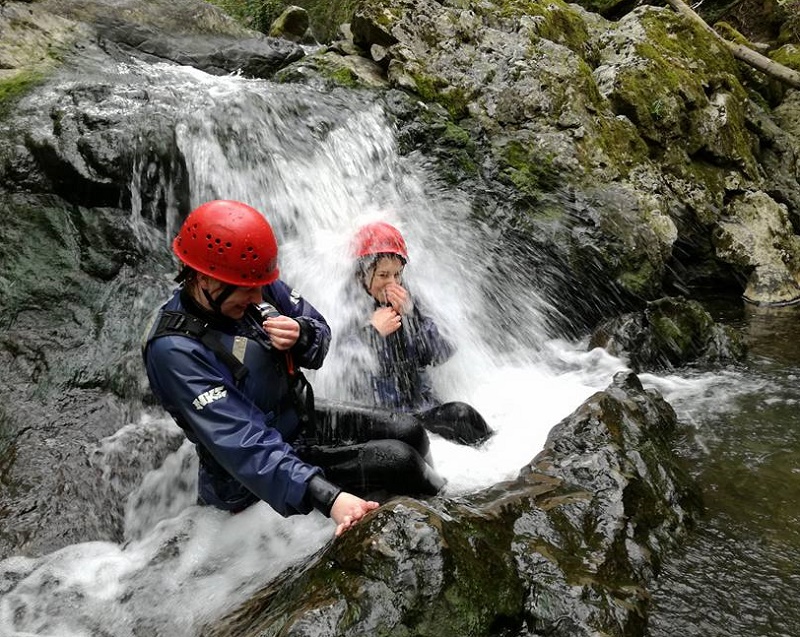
(552, 20)
(33, 43)
(349, 71)
(788, 55)
(685, 94)
(15, 84)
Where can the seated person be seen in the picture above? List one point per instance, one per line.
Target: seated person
(403, 340)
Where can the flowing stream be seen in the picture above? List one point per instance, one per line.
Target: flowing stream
(319, 165)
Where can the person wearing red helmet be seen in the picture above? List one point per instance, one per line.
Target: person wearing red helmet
(223, 357)
(403, 339)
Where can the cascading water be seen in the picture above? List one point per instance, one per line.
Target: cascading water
(318, 165)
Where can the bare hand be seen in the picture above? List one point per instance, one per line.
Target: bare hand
(283, 331)
(386, 320)
(398, 298)
(348, 509)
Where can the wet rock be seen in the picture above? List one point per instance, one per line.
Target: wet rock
(215, 54)
(69, 347)
(569, 546)
(158, 31)
(670, 332)
(756, 235)
(292, 24)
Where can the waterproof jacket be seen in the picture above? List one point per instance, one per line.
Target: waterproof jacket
(398, 377)
(242, 430)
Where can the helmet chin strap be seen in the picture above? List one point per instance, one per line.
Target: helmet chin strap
(216, 304)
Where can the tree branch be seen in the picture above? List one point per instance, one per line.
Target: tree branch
(740, 52)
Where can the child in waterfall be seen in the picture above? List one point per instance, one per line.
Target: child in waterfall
(400, 341)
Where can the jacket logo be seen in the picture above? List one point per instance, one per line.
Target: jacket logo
(208, 397)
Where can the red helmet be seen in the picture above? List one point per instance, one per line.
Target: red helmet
(379, 238)
(229, 241)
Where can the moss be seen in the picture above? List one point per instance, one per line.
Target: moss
(727, 31)
(619, 141)
(788, 55)
(683, 44)
(531, 172)
(638, 278)
(460, 148)
(332, 68)
(667, 96)
(253, 14)
(553, 20)
(14, 87)
(435, 89)
(344, 77)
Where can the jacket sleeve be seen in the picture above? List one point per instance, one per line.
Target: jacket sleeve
(199, 393)
(315, 333)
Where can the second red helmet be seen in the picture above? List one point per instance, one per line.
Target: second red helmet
(379, 238)
(229, 241)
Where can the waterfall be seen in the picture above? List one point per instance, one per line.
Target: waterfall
(318, 165)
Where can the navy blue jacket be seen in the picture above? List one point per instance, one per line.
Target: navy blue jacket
(399, 379)
(242, 432)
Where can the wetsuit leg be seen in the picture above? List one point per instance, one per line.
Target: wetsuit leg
(375, 468)
(340, 423)
(458, 422)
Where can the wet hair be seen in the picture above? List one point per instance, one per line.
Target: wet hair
(364, 265)
(186, 275)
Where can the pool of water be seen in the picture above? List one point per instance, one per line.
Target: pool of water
(737, 575)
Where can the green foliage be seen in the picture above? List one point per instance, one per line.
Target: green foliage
(790, 28)
(254, 14)
(325, 17)
(657, 109)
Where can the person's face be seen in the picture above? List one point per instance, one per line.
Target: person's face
(387, 270)
(235, 305)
